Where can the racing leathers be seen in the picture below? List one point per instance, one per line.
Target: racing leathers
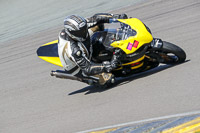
(75, 56)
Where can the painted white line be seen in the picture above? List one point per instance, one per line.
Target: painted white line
(142, 121)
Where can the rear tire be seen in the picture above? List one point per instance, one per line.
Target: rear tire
(173, 53)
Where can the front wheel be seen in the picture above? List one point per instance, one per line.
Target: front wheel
(172, 54)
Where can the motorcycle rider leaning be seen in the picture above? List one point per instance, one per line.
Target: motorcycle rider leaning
(75, 48)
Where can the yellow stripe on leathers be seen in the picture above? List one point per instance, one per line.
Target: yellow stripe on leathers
(52, 60)
(189, 127)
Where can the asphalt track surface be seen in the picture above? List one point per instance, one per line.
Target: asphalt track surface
(33, 101)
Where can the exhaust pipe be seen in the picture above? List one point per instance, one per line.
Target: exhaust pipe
(63, 75)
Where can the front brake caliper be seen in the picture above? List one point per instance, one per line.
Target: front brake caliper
(157, 43)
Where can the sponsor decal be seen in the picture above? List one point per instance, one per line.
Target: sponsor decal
(131, 45)
(135, 44)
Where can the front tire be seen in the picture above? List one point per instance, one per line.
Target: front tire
(172, 54)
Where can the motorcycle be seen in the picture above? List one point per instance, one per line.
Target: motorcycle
(131, 41)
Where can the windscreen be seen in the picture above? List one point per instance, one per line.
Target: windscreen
(119, 31)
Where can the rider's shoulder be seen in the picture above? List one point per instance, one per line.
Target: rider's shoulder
(63, 35)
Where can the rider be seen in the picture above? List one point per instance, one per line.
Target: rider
(75, 48)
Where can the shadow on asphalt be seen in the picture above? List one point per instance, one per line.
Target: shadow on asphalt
(123, 80)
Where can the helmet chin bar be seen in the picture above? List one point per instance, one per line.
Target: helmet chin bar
(80, 39)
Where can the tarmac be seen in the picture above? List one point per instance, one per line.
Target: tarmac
(33, 101)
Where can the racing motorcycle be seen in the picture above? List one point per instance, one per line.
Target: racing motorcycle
(129, 40)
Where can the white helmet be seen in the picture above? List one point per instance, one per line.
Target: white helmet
(76, 27)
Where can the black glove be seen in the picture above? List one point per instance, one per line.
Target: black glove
(105, 17)
(107, 66)
(113, 64)
(120, 16)
(101, 18)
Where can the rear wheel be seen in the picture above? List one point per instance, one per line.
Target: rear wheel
(172, 54)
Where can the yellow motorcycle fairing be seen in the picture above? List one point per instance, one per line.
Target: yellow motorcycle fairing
(133, 43)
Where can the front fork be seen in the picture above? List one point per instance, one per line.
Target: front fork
(155, 50)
